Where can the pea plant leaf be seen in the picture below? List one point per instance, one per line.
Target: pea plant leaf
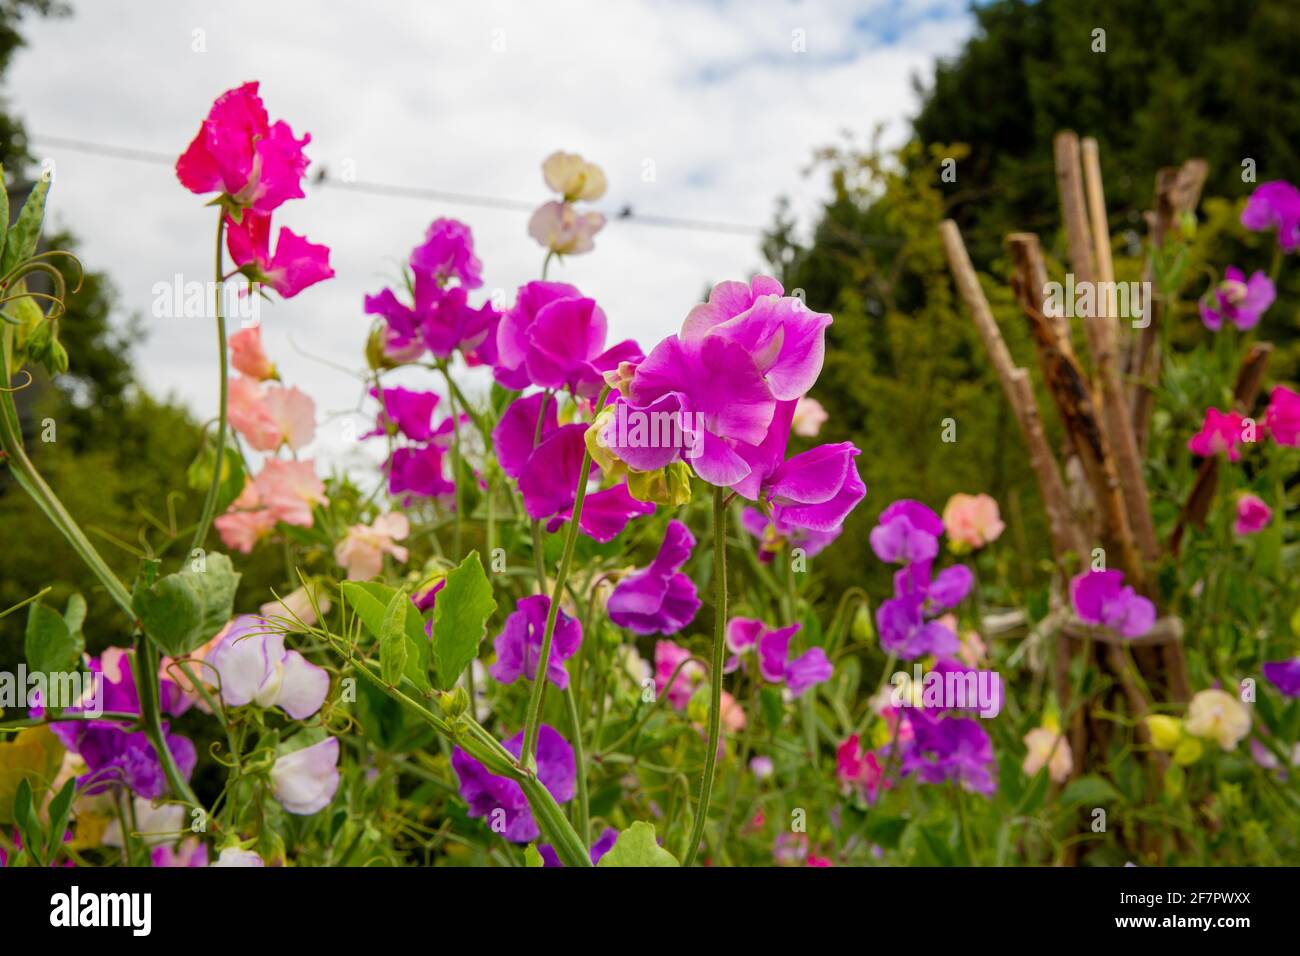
(460, 618)
(182, 610)
(637, 846)
(371, 600)
(50, 645)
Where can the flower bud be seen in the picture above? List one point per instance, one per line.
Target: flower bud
(454, 702)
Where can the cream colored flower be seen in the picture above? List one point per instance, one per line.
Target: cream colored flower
(1044, 745)
(1217, 715)
(573, 177)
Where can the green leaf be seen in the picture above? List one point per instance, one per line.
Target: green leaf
(28, 824)
(460, 618)
(4, 212)
(370, 600)
(21, 239)
(1089, 791)
(392, 638)
(60, 808)
(75, 613)
(532, 858)
(182, 610)
(636, 846)
(49, 644)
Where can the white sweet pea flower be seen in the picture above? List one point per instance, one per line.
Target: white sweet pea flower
(255, 668)
(306, 780)
(234, 856)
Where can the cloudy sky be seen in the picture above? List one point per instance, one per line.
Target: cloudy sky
(705, 110)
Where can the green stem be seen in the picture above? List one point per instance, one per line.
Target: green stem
(219, 460)
(146, 682)
(715, 674)
(580, 761)
(455, 460)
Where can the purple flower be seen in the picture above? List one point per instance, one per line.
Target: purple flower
(112, 754)
(519, 645)
(908, 531)
(486, 792)
(904, 630)
(771, 534)
(516, 434)
(949, 748)
(1101, 598)
(189, 852)
(604, 843)
(1238, 300)
(447, 253)
(1275, 204)
(774, 662)
(407, 411)
(418, 471)
(606, 513)
(1285, 676)
(944, 591)
(554, 338)
(659, 599)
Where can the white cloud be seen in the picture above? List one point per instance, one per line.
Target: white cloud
(415, 94)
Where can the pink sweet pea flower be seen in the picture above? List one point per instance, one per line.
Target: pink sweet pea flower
(809, 417)
(247, 355)
(1275, 204)
(669, 655)
(1282, 417)
(362, 551)
(189, 852)
(1221, 432)
(1253, 514)
(255, 668)
(269, 416)
(240, 153)
(559, 227)
(289, 489)
(1238, 300)
(972, 521)
(242, 530)
(306, 780)
(858, 770)
(1101, 598)
(295, 265)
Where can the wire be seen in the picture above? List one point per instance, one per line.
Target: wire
(322, 178)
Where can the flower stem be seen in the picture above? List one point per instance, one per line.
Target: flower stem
(715, 673)
(146, 682)
(219, 460)
(579, 758)
(455, 460)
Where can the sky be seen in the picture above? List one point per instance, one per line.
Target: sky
(704, 110)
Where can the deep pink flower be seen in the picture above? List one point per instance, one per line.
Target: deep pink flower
(417, 470)
(1238, 300)
(518, 646)
(1282, 417)
(774, 533)
(858, 770)
(295, 265)
(1275, 204)
(1253, 514)
(1101, 598)
(447, 253)
(486, 792)
(239, 153)
(407, 412)
(659, 599)
(669, 656)
(1220, 433)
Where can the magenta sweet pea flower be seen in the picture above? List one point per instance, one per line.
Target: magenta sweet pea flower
(1275, 205)
(949, 748)
(516, 434)
(904, 630)
(605, 513)
(1220, 433)
(189, 852)
(1101, 598)
(908, 531)
(519, 645)
(238, 152)
(858, 771)
(1238, 300)
(447, 253)
(774, 661)
(295, 265)
(417, 470)
(1284, 675)
(405, 412)
(774, 533)
(554, 337)
(659, 599)
(941, 592)
(1253, 514)
(671, 658)
(487, 793)
(1282, 417)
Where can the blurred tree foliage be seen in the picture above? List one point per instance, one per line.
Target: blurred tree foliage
(1178, 78)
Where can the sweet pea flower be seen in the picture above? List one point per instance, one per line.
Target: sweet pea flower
(234, 856)
(362, 551)
(155, 823)
(418, 471)
(289, 489)
(1214, 714)
(599, 847)
(254, 163)
(1101, 598)
(949, 748)
(972, 521)
(242, 530)
(659, 599)
(447, 253)
(907, 532)
(774, 661)
(858, 771)
(554, 337)
(573, 177)
(305, 781)
(295, 264)
(1048, 747)
(941, 592)
(559, 227)
(1282, 417)
(405, 412)
(1221, 432)
(519, 645)
(1253, 514)
(486, 792)
(1275, 204)
(905, 631)
(1238, 300)
(778, 532)
(189, 852)
(809, 417)
(248, 356)
(255, 668)
(269, 416)
(669, 656)
(1284, 675)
